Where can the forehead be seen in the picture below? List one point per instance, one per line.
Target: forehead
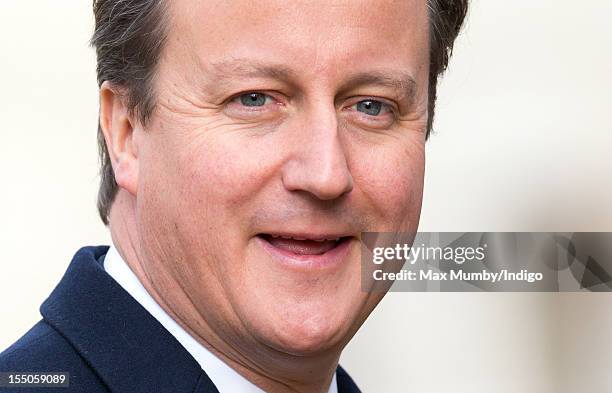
(322, 38)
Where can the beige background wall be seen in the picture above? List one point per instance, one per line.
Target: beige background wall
(523, 144)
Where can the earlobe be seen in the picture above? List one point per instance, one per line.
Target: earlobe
(118, 128)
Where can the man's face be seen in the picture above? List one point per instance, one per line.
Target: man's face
(304, 120)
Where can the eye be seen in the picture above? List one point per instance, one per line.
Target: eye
(255, 106)
(372, 113)
(372, 108)
(254, 99)
(369, 107)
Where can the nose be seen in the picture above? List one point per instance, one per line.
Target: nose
(318, 163)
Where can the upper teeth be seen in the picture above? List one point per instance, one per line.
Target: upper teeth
(303, 238)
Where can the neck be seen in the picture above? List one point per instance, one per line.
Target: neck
(270, 369)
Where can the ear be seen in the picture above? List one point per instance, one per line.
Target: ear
(118, 129)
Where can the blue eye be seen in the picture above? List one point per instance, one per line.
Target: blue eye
(253, 99)
(370, 107)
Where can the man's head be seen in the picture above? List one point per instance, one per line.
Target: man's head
(233, 125)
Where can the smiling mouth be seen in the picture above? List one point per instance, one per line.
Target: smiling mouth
(301, 246)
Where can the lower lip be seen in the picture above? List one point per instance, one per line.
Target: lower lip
(334, 257)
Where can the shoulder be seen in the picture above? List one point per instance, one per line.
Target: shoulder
(43, 349)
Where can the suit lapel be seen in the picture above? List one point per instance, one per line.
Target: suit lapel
(345, 382)
(128, 348)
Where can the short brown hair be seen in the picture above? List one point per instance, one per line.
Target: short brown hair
(129, 36)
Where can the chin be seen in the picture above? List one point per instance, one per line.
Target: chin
(303, 333)
(301, 310)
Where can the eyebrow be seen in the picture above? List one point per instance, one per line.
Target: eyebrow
(402, 82)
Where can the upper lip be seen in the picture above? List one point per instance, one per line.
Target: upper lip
(319, 236)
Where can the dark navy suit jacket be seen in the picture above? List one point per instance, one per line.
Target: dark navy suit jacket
(94, 330)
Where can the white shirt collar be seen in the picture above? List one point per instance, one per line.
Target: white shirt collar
(225, 378)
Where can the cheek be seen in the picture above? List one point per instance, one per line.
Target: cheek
(187, 181)
(215, 170)
(202, 160)
(195, 190)
(390, 177)
(216, 180)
